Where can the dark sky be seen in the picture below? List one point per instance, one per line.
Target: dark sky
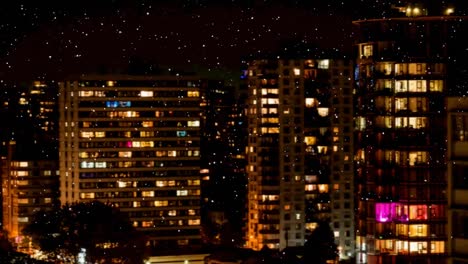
(51, 39)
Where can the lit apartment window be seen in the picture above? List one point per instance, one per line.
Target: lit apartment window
(417, 86)
(136, 204)
(172, 153)
(22, 173)
(323, 111)
(437, 246)
(101, 165)
(297, 71)
(147, 194)
(310, 140)
(193, 93)
(146, 223)
(323, 188)
(436, 85)
(194, 221)
(147, 124)
(311, 102)
(87, 195)
(367, 50)
(416, 68)
(146, 134)
(194, 123)
(191, 212)
(401, 68)
(125, 154)
(124, 184)
(86, 165)
(146, 93)
(161, 203)
(85, 93)
(182, 192)
(23, 201)
(172, 213)
(86, 134)
(324, 64)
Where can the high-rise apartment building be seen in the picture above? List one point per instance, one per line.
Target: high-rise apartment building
(405, 68)
(223, 163)
(134, 142)
(457, 126)
(299, 151)
(29, 152)
(28, 186)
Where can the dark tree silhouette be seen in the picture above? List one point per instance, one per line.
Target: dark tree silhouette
(105, 233)
(320, 245)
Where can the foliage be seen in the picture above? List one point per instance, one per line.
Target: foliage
(9, 255)
(100, 229)
(320, 245)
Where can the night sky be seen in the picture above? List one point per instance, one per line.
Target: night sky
(51, 39)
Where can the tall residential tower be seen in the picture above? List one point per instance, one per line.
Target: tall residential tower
(299, 151)
(405, 68)
(134, 142)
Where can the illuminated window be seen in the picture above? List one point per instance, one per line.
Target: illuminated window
(23, 200)
(193, 93)
(417, 86)
(147, 194)
(269, 91)
(85, 93)
(147, 144)
(416, 68)
(194, 123)
(182, 192)
(136, 204)
(172, 213)
(86, 134)
(125, 154)
(191, 212)
(194, 221)
(401, 68)
(437, 246)
(146, 94)
(23, 173)
(309, 140)
(100, 134)
(124, 184)
(323, 64)
(87, 195)
(146, 223)
(22, 182)
(323, 111)
(436, 85)
(401, 86)
(271, 120)
(161, 203)
(311, 102)
(297, 71)
(86, 165)
(146, 134)
(323, 188)
(172, 153)
(147, 123)
(101, 164)
(367, 50)
(401, 104)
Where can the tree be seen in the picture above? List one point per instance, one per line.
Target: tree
(105, 234)
(320, 245)
(9, 255)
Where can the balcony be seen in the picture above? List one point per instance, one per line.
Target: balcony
(460, 246)
(459, 197)
(460, 149)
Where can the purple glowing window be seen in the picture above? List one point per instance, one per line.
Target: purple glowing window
(385, 212)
